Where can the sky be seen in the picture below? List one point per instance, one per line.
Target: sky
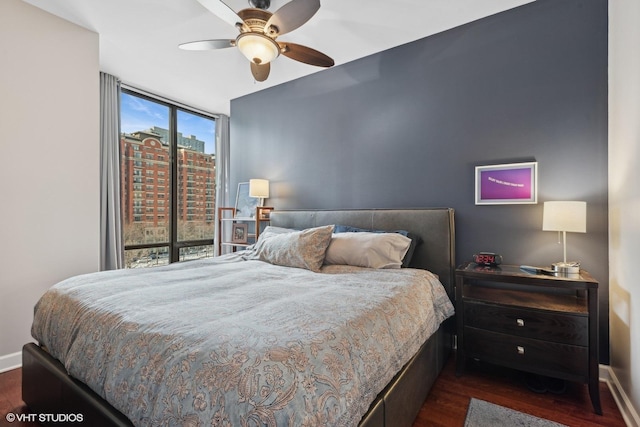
(140, 114)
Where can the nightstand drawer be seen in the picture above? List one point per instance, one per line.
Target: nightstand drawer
(547, 358)
(555, 327)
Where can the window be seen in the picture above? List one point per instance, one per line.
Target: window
(177, 141)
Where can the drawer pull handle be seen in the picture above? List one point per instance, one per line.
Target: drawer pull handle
(520, 349)
(520, 322)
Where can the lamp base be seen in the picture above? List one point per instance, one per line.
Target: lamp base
(572, 267)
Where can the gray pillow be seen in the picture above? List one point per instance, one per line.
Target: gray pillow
(300, 249)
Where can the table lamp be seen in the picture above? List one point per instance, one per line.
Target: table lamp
(259, 188)
(562, 217)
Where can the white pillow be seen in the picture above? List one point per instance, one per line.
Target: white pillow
(277, 230)
(363, 249)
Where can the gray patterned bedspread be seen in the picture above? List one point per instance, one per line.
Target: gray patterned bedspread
(227, 342)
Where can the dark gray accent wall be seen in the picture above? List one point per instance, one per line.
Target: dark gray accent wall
(406, 127)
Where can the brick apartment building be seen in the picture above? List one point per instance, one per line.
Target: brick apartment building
(146, 187)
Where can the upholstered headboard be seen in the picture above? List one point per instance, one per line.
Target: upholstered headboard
(435, 226)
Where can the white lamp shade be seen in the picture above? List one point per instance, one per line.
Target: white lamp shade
(257, 47)
(565, 216)
(259, 188)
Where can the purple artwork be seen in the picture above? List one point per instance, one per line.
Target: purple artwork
(506, 183)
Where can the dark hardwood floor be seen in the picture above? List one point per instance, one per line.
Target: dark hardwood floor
(449, 398)
(11, 398)
(447, 403)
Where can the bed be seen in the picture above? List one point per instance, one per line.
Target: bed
(50, 386)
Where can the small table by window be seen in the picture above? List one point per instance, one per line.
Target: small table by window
(227, 218)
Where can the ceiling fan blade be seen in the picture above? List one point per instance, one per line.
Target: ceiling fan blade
(291, 16)
(305, 54)
(207, 44)
(224, 12)
(260, 71)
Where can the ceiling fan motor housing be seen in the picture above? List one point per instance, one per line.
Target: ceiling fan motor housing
(260, 4)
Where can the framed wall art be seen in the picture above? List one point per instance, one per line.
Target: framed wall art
(239, 233)
(512, 183)
(245, 204)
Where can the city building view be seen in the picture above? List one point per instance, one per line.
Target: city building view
(146, 195)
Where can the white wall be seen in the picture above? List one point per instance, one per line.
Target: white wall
(624, 195)
(49, 162)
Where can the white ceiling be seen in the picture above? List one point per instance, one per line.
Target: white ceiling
(139, 39)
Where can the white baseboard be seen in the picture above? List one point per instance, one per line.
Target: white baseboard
(10, 361)
(627, 410)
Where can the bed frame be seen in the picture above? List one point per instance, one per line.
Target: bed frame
(46, 387)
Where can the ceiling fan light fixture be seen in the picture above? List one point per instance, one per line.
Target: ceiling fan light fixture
(258, 48)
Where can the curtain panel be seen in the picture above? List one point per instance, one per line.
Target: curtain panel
(111, 240)
(222, 171)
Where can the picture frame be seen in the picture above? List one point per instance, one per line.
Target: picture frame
(239, 233)
(245, 204)
(509, 183)
(265, 212)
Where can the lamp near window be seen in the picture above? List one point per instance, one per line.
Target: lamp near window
(563, 216)
(259, 188)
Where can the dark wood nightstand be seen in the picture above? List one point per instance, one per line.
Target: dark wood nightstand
(538, 323)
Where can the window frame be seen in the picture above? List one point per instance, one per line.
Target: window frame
(173, 244)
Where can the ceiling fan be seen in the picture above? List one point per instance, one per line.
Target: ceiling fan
(259, 30)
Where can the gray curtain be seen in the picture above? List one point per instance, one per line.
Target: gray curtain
(222, 169)
(111, 242)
